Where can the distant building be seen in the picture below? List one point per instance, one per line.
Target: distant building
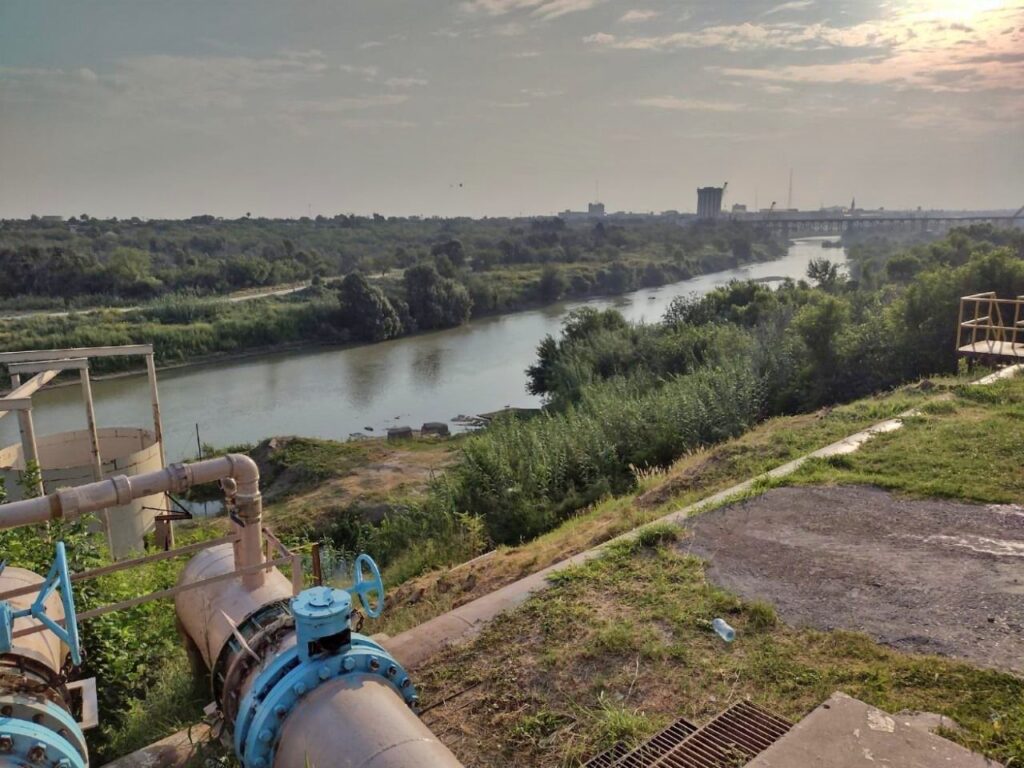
(709, 202)
(739, 208)
(594, 211)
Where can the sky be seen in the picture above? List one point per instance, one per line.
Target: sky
(506, 107)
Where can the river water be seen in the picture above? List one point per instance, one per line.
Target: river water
(333, 393)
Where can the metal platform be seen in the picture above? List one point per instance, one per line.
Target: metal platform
(994, 348)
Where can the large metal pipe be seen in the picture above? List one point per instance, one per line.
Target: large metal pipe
(42, 647)
(358, 722)
(351, 720)
(209, 615)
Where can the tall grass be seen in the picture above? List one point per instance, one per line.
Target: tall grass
(524, 477)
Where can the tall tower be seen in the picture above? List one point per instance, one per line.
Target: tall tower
(709, 202)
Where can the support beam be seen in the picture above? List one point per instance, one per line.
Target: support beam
(71, 364)
(27, 428)
(164, 533)
(37, 355)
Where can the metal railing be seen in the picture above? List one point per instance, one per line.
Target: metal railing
(982, 327)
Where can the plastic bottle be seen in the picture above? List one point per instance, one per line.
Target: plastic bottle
(723, 630)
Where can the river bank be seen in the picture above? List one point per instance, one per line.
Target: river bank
(332, 391)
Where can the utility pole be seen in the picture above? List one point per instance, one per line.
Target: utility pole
(789, 198)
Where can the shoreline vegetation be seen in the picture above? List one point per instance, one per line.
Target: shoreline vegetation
(413, 276)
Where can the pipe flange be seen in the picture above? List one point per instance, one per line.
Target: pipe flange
(123, 489)
(282, 685)
(34, 731)
(180, 476)
(69, 503)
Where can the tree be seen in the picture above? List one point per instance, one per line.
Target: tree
(435, 301)
(824, 273)
(366, 311)
(452, 249)
(552, 283)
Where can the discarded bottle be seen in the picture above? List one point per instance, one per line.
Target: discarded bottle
(723, 630)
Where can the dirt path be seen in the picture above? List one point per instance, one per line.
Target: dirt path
(925, 576)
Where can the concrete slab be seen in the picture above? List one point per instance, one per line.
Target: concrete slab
(847, 733)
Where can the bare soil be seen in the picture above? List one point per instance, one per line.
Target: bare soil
(927, 576)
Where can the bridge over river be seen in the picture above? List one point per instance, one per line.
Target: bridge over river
(791, 223)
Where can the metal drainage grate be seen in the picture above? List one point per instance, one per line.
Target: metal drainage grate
(731, 740)
(608, 758)
(620, 755)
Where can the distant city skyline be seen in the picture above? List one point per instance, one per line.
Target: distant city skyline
(506, 107)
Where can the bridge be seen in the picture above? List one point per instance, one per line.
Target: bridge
(788, 223)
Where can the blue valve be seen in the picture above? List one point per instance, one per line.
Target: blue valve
(326, 649)
(365, 587)
(58, 577)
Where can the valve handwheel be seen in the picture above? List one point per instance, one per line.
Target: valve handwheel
(364, 586)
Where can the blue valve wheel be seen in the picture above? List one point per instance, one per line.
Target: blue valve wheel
(364, 587)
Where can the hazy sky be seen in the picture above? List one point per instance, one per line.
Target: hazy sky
(494, 107)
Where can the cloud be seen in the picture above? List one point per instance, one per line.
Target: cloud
(637, 15)
(794, 5)
(405, 82)
(86, 75)
(511, 29)
(542, 9)
(540, 93)
(749, 36)
(688, 105)
(343, 104)
(370, 44)
(526, 55)
(368, 72)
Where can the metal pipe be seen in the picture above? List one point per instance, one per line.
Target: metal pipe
(210, 614)
(240, 470)
(43, 647)
(357, 721)
(242, 635)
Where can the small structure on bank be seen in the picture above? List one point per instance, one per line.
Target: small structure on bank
(438, 428)
(400, 433)
(990, 327)
(83, 456)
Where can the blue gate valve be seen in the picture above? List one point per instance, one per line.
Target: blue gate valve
(33, 729)
(326, 649)
(57, 577)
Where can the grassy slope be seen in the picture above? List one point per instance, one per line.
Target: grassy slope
(693, 477)
(621, 646)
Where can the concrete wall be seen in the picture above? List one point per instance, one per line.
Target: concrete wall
(66, 460)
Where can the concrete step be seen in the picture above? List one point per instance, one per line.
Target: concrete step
(847, 733)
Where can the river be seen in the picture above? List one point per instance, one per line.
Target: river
(332, 393)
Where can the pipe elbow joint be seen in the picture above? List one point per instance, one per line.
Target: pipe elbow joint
(246, 474)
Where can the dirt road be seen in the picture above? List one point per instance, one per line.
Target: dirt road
(927, 576)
